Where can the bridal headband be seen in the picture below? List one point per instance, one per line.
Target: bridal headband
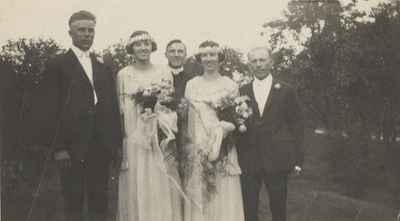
(210, 49)
(140, 37)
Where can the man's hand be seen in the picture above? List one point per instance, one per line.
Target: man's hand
(297, 170)
(63, 159)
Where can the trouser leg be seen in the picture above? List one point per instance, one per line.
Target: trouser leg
(276, 185)
(251, 185)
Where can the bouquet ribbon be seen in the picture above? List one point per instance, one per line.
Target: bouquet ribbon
(147, 137)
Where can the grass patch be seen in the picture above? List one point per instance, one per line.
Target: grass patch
(314, 196)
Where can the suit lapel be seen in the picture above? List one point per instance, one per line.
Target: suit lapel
(73, 66)
(96, 70)
(253, 102)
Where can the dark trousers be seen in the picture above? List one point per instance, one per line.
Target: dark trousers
(276, 185)
(86, 182)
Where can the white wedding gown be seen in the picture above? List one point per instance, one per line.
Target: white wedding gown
(148, 183)
(205, 134)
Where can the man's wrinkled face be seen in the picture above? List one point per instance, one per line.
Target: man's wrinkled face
(82, 33)
(260, 62)
(176, 54)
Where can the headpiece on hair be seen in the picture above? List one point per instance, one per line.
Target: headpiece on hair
(140, 37)
(209, 46)
(81, 15)
(207, 49)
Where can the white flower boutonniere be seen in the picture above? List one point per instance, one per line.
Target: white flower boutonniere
(277, 86)
(100, 59)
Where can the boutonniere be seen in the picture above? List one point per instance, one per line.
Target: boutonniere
(100, 59)
(277, 86)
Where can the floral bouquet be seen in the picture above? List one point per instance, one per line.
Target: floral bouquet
(147, 97)
(162, 92)
(167, 95)
(234, 109)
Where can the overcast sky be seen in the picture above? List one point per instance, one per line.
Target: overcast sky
(236, 23)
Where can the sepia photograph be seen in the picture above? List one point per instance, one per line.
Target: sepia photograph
(177, 110)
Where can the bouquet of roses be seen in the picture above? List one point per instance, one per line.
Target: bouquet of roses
(234, 109)
(162, 92)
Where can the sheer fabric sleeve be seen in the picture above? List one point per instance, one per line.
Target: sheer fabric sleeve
(121, 99)
(122, 102)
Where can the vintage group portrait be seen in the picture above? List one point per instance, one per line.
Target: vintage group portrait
(200, 111)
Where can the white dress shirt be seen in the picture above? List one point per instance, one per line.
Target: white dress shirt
(86, 63)
(176, 71)
(261, 89)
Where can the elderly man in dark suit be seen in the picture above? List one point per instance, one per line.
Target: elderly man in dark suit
(272, 146)
(88, 134)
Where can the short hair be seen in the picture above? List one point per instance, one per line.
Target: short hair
(128, 46)
(174, 41)
(209, 43)
(260, 48)
(81, 15)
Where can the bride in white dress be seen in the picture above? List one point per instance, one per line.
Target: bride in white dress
(148, 184)
(211, 180)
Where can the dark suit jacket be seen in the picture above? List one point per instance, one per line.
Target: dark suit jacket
(180, 81)
(81, 122)
(274, 141)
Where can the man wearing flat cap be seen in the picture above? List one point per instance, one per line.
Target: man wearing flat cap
(87, 138)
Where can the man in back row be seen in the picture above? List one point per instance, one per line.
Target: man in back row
(176, 55)
(175, 52)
